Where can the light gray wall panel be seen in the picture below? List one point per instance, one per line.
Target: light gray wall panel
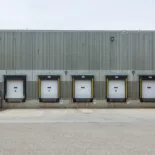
(77, 50)
(55, 55)
(9, 51)
(66, 90)
(31, 89)
(2, 50)
(1, 85)
(100, 90)
(153, 50)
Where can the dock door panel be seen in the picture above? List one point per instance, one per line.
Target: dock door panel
(83, 88)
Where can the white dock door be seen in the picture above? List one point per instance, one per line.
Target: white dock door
(49, 89)
(15, 89)
(83, 89)
(116, 89)
(148, 89)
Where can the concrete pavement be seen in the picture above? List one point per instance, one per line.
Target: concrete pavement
(77, 132)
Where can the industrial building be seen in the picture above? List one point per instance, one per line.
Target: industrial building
(43, 68)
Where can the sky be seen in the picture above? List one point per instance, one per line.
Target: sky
(78, 14)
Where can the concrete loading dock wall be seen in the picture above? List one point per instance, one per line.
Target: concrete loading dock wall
(68, 53)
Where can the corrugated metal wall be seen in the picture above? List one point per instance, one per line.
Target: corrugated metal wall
(77, 50)
(87, 52)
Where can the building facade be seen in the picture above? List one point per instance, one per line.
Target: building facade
(67, 53)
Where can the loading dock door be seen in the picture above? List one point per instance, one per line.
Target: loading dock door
(15, 89)
(83, 89)
(116, 89)
(148, 89)
(49, 89)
